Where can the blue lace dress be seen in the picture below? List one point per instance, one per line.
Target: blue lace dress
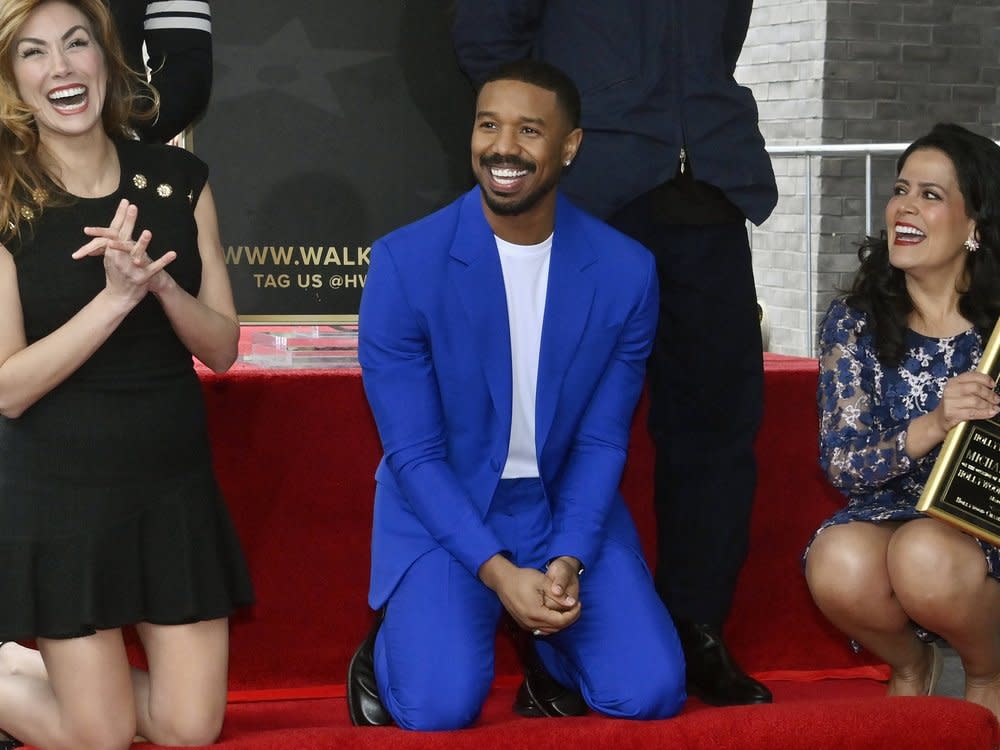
(865, 410)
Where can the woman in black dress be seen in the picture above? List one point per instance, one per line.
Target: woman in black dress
(111, 277)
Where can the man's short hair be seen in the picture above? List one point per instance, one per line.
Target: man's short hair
(545, 76)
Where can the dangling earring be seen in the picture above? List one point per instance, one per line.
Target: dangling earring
(971, 245)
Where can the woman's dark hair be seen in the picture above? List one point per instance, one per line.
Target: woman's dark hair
(879, 289)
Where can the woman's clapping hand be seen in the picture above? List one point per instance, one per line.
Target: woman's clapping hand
(128, 268)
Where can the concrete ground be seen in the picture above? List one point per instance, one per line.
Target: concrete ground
(952, 682)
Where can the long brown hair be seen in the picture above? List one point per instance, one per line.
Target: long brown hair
(23, 180)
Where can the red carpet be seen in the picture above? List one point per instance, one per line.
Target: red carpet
(795, 722)
(296, 451)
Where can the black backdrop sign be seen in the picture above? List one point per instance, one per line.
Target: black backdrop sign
(332, 122)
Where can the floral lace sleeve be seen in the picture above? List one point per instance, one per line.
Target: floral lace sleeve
(859, 449)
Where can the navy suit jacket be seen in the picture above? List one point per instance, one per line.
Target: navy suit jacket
(654, 75)
(434, 347)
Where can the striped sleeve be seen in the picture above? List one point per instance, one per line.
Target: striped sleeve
(192, 15)
(178, 36)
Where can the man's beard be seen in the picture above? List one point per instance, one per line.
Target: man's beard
(519, 206)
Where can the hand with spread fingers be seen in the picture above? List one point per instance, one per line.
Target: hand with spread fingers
(966, 396)
(129, 269)
(970, 395)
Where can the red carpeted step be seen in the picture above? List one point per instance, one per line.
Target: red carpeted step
(806, 716)
(296, 452)
(845, 714)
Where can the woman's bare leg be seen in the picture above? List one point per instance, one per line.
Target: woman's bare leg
(190, 664)
(939, 574)
(182, 699)
(16, 659)
(85, 703)
(848, 575)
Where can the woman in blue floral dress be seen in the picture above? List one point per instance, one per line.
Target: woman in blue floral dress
(897, 359)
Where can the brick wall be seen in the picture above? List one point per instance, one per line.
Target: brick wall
(853, 71)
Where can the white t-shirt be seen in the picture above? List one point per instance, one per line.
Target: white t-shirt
(525, 280)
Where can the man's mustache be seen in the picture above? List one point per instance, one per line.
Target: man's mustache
(497, 160)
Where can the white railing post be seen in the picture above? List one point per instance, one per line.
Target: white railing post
(868, 194)
(809, 257)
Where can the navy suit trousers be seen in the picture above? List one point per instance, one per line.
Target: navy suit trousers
(705, 381)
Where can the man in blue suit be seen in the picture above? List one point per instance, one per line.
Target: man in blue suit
(675, 160)
(503, 343)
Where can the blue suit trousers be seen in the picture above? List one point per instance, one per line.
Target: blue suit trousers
(434, 659)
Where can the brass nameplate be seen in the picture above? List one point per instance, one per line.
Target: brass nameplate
(964, 485)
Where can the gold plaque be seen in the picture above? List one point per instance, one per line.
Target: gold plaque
(964, 485)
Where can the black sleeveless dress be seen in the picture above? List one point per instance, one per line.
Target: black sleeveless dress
(109, 509)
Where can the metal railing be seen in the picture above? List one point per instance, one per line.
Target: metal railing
(867, 150)
(806, 153)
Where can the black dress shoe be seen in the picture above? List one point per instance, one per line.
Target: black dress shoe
(363, 703)
(712, 675)
(540, 694)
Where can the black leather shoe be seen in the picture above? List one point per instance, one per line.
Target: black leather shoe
(540, 694)
(363, 703)
(712, 675)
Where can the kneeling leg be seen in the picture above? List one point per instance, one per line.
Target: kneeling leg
(434, 652)
(623, 654)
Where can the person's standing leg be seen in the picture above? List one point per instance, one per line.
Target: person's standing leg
(705, 382)
(706, 377)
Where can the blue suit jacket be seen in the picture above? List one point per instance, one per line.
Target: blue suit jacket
(654, 75)
(434, 346)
